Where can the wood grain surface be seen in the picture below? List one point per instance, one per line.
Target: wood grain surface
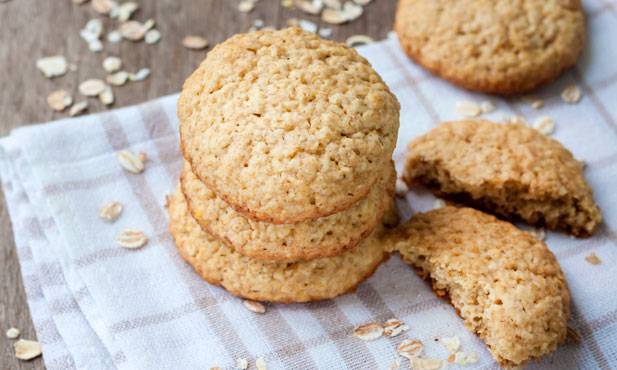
(31, 29)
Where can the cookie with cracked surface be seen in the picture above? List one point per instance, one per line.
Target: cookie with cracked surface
(285, 126)
(321, 237)
(284, 282)
(495, 46)
(508, 169)
(505, 284)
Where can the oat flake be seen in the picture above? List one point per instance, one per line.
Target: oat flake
(439, 203)
(452, 344)
(571, 94)
(418, 363)
(357, 40)
(130, 161)
(487, 106)
(349, 12)
(132, 239)
(394, 327)
(27, 349)
(152, 37)
(313, 7)
(59, 100)
(103, 6)
(545, 125)
(308, 26)
(125, 10)
(254, 306)
(334, 4)
(410, 348)
(132, 30)
(107, 96)
(78, 108)
(242, 364)
(112, 64)
(401, 188)
(369, 331)
(141, 75)
(325, 32)
(114, 36)
(538, 233)
(245, 6)
(92, 87)
(593, 259)
(468, 108)
(111, 211)
(12, 333)
(52, 66)
(118, 78)
(95, 46)
(195, 42)
(260, 364)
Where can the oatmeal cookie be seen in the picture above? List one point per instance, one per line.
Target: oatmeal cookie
(508, 169)
(284, 282)
(321, 237)
(505, 284)
(287, 127)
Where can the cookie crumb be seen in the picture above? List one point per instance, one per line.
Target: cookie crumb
(593, 259)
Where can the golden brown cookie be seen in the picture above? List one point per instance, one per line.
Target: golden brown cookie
(505, 284)
(321, 237)
(494, 46)
(285, 282)
(508, 169)
(287, 127)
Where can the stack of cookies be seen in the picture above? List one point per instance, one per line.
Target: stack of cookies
(287, 141)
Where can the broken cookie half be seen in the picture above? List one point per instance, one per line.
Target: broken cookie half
(508, 169)
(505, 284)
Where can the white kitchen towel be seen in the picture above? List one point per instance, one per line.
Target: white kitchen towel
(96, 305)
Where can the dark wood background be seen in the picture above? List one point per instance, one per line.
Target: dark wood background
(31, 29)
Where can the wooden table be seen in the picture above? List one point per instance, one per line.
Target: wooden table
(31, 29)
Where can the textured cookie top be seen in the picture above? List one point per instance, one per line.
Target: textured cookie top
(505, 284)
(321, 237)
(321, 278)
(285, 126)
(511, 168)
(498, 46)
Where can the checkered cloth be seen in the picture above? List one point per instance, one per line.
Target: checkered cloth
(96, 305)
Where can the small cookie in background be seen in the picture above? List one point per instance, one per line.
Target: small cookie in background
(494, 46)
(505, 284)
(507, 169)
(283, 282)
